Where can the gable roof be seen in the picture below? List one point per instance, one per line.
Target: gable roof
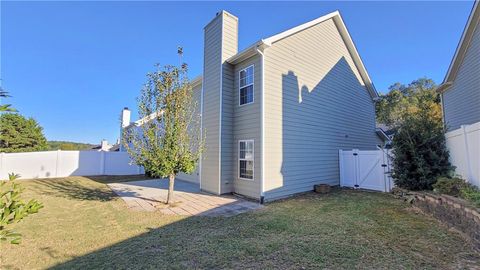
(267, 42)
(462, 47)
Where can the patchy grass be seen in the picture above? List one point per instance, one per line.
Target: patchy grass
(84, 226)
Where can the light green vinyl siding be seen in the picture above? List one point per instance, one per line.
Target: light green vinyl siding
(220, 44)
(247, 126)
(315, 104)
(230, 48)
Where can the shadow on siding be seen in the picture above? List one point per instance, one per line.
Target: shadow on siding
(316, 123)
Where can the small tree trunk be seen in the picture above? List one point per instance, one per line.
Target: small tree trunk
(170, 188)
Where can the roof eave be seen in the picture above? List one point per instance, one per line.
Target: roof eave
(444, 87)
(462, 46)
(247, 53)
(196, 81)
(383, 135)
(337, 18)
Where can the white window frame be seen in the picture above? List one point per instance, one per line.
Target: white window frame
(251, 84)
(240, 159)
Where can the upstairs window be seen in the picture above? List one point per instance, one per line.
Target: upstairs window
(246, 86)
(245, 159)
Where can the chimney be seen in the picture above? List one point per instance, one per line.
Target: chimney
(220, 43)
(125, 121)
(125, 117)
(104, 145)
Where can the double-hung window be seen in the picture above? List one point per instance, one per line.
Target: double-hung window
(246, 85)
(245, 159)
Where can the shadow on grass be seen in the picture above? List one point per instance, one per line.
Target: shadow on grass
(76, 190)
(81, 188)
(108, 179)
(310, 231)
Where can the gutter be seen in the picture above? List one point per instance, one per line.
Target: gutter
(247, 53)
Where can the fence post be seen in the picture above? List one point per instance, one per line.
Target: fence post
(57, 161)
(356, 167)
(102, 162)
(340, 166)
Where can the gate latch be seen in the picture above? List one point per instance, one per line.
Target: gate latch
(384, 165)
(355, 154)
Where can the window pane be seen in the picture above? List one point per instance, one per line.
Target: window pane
(242, 150)
(249, 170)
(246, 95)
(242, 74)
(243, 81)
(249, 97)
(249, 150)
(246, 76)
(248, 80)
(246, 169)
(249, 71)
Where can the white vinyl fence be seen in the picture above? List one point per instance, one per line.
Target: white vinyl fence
(366, 169)
(50, 164)
(464, 146)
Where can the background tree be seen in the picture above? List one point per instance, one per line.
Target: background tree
(12, 208)
(65, 145)
(168, 141)
(403, 100)
(19, 134)
(5, 107)
(419, 148)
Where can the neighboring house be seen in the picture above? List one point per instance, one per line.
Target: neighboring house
(460, 92)
(105, 146)
(386, 133)
(275, 114)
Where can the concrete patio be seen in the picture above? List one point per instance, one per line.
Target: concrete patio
(189, 200)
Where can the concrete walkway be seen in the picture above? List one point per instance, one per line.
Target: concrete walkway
(150, 195)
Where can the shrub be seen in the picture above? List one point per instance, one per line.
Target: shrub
(13, 209)
(471, 193)
(449, 186)
(459, 188)
(419, 148)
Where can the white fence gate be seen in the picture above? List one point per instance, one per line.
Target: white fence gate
(48, 164)
(367, 169)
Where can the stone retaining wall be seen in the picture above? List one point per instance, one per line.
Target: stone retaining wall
(449, 210)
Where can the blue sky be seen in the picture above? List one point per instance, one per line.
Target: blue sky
(74, 65)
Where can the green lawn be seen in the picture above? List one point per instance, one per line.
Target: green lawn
(84, 226)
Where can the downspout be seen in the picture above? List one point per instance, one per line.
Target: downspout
(262, 109)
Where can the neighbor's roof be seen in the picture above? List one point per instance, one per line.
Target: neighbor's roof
(462, 47)
(263, 43)
(196, 81)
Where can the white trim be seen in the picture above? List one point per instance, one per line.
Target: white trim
(355, 55)
(253, 159)
(342, 29)
(462, 39)
(221, 113)
(251, 84)
(299, 28)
